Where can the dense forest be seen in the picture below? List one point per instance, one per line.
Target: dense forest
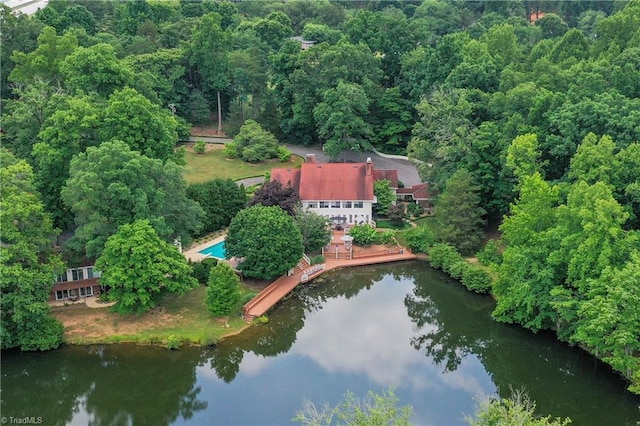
(532, 107)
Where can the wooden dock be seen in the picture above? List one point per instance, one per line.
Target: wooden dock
(277, 290)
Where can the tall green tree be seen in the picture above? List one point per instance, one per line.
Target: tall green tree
(223, 290)
(111, 185)
(220, 199)
(95, 69)
(526, 278)
(609, 319)
(28, 264)
(69, 131)
(19, 33)
(314, 228)
(46, 61)
(210, 56)
(140, 268)
(459, 213)
(341, 121)
(385, 197)
(24, 117)
(441, 138)
(267, 241)
(166, 70)
(145, 127)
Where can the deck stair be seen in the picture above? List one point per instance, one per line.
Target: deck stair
(304, 263)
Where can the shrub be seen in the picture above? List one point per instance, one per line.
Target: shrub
(201, 269)
(231, 150)
(262, 319)
(415, 210)
(363, 235)
(419, 239)
(174, 342)
(316, 260)
(199, 147)
(396, 214)
(254, 144)
(490, 254)
(476, 278)
(283, 154)
(224, 290)
(443, 256)
(458, 269)
(385, 237)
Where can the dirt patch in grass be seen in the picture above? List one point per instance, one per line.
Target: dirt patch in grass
(184, 317)
(211, 131)
(208, 147)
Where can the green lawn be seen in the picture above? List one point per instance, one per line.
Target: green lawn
(428, 222)
(385, 224)
(213, 164)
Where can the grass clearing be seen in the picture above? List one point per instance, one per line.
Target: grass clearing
(213, 164)
(385, 224)
(428, 222)
(178, 317)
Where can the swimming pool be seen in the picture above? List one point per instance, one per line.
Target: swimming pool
(216, 250)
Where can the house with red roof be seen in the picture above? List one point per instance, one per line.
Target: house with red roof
(418, 194)
(341, 192)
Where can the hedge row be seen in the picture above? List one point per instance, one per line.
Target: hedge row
(473, 277)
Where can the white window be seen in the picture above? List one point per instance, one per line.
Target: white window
(346, 204)
(90, 272)
(86, 291)
(77, 274)
(335, 204)
(324, 204)
(358, 204)
(62, 294)
(63, 278)
(312, 205)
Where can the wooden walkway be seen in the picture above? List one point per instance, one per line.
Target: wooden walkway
(277, 290)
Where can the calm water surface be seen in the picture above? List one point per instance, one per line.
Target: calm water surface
(403, 325)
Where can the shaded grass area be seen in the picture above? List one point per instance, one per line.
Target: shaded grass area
(177, 318)
(428, 222)
(213, 164)
(385, 224)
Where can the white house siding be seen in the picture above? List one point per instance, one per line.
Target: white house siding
(352, 215)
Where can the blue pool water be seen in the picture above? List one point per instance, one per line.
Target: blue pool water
(216, 250)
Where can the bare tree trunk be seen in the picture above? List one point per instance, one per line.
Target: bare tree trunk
(219, 113)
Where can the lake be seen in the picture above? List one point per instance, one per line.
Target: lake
(401, 325)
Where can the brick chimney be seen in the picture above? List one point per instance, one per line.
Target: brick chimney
(369, 166)
(311, 158)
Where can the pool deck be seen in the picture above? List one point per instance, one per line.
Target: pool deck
(193, 255)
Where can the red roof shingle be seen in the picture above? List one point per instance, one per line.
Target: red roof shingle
(334, 181)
